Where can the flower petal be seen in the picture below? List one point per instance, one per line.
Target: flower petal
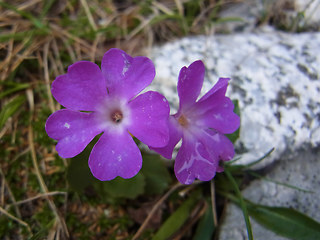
(221, 117)
(218, 145)
(212, 98)
(190, 83)
(220, 86)
(82, 88)
(149, 119)
(175, 135)
(115, 155)
(126, 76)
(194, 161)
(73, 130)
(199, 156)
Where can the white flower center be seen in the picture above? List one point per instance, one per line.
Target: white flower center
(113, 115)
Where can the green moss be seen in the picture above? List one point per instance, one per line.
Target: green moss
(8, 227)
(43, 219)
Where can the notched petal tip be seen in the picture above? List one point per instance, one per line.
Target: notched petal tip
(126, 76)
(113, 156)
(199, 65)
(112, 51)
(81, 88)
(190, 82)
(224, 79)
(73, 131)
(218, 90)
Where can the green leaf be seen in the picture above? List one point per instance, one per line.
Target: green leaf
(10, 108)
(234, 136)
(78, 174)
(156, 174)
(205, 226)
(223, 184)
(123, 188)
(17, 87)
(178, 218)
(285, 222)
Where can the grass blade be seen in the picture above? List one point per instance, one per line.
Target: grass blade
(260, 159)
(239, 167)
(17, 87)
(242, 204)
(286, 222)
(205, 227)
(10, 108)
(177, 219)
(36, 22)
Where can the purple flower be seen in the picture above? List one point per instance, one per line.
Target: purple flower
(202, 126)
(105, 101)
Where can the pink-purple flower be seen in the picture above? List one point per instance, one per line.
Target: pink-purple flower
(105, 101)
(201, 125)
